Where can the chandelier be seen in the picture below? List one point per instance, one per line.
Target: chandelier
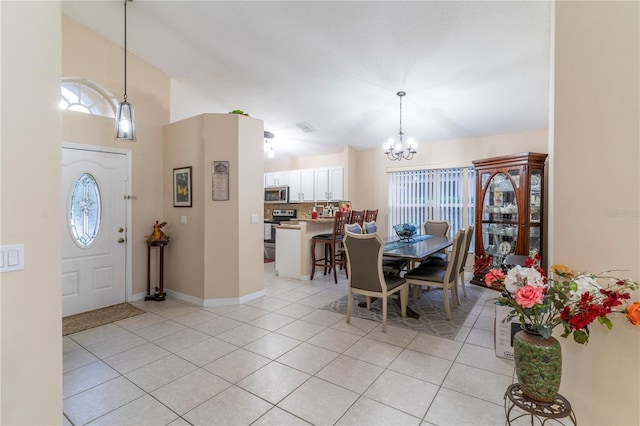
(268, 140)
(125, 122)
(396, 150)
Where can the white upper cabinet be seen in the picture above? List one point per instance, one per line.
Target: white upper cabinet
(276, 179)
(301, 186)
(329, 184)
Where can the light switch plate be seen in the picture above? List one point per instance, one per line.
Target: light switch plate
(254, 218)
(12, 258)
(183, 220)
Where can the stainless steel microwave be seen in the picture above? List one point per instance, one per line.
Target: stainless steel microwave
(276, 194)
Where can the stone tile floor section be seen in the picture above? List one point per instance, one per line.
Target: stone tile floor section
(279, 360)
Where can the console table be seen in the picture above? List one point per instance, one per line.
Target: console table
(159, 294)
(555, 411)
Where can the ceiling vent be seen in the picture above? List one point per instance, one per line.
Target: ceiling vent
(305, 127)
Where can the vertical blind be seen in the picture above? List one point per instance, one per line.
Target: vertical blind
(435, 194)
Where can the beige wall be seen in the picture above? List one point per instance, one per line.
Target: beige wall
(184, 146)
(148, 92)
(365, 181)
(31, 303)
(595, 206)
(217, 255)
(371, 167)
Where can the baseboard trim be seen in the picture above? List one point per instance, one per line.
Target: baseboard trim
(214, 302)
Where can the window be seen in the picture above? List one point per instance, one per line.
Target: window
(435, 194)
(85, 210)
(88, 97)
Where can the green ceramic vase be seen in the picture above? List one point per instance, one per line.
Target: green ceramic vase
(538, 365)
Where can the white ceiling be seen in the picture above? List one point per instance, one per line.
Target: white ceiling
(469, 68)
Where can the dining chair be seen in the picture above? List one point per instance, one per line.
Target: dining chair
(370, 227)
(356, 216)
(370, 215)
(442, 264)
(437, 228)
(354, 228)
(366, 277)
(446, 279)
(330, 242)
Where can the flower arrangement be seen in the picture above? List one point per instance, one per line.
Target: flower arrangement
(571, 300)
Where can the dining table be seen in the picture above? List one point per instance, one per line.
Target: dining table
(415, 250)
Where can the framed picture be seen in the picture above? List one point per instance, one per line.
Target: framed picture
(182, 187)
(220, 181)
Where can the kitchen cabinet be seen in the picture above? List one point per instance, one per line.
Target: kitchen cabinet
(510, 206)
(276, 179)
(329, 184)
(301, 186)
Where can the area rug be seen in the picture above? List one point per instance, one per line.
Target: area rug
(86, 320)
(430, 307)
(268, 260)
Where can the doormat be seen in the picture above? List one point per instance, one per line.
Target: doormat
(268, 260)
(430, 307)
(86, 320)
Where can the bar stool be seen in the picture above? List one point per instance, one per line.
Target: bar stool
(332, 256)
(356, 216)
(370, 215)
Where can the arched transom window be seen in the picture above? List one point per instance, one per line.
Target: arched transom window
(88, 97)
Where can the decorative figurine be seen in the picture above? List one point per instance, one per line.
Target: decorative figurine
(157, 234)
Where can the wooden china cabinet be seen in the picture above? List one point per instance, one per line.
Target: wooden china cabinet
(509, 206)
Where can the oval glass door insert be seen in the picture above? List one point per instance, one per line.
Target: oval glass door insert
(85, 210)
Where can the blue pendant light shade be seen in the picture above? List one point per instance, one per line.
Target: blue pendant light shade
(125, 119)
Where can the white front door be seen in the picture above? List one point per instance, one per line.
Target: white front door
(93, 230)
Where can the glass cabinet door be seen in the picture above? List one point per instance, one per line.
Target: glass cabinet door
(535, 211)
(500, 216)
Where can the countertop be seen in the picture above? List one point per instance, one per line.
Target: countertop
(318, 220)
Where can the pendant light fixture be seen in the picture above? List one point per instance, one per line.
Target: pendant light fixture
(125, 121)
(396, 150)
(268, 140)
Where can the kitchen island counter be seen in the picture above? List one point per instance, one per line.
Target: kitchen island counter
(293, 246)
(322, 220)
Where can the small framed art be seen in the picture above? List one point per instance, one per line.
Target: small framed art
(220, 180)
(182, 187)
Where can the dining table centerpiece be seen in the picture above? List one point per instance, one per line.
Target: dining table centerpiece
(540, 303)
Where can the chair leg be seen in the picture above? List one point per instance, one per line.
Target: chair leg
(313, 258)
(404, 295)
(384, 313)
(369, 302)
(334, 266)
(464, 288)
(445, 296)
(349, 305)
(415, 291)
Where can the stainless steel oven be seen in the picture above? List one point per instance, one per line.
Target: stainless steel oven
(276, 194)
(279, 216)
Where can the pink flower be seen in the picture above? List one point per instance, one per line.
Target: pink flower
(529, 296)
(494, 277)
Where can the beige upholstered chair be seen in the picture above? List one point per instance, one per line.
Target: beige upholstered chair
(364, 264)
(332, 255)
(437, 228)
(354, 228)
(442, 264)
(446, 279)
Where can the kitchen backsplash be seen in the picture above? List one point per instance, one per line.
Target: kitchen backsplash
(303, 209)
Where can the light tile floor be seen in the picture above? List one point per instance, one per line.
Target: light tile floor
(279, 360)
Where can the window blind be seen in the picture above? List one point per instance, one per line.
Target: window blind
(434, 194)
